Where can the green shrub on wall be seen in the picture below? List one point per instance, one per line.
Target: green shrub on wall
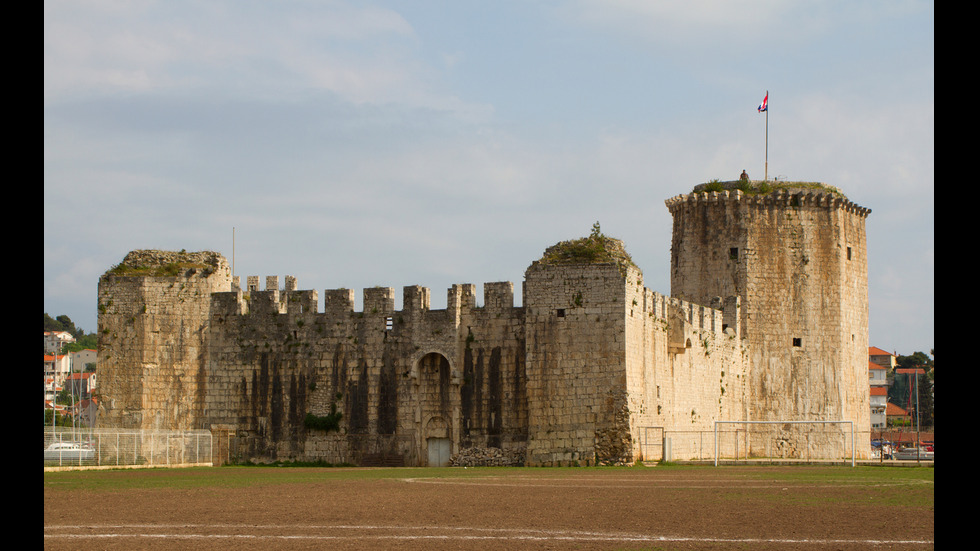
(326, 423)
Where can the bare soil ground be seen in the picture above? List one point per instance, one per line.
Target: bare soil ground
(666, 508)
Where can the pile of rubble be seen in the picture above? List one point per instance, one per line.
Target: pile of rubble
(487, 457)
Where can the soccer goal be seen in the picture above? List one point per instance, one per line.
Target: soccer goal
(781, 440)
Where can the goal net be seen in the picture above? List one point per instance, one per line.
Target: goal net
(816, 441)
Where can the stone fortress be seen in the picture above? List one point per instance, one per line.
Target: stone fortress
(767, 321)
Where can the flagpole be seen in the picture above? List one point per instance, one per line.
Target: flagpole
(767, 137)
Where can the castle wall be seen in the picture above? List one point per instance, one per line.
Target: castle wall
(398, 378)
(686, 370)
(609, 362)
(617, 360)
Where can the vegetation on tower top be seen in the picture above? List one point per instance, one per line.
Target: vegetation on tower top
(764, 187)
(595, 249)
(154, 263)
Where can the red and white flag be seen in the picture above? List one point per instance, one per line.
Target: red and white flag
(765, 101)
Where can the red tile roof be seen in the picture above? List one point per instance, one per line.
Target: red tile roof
(892, 409)
(910, 371)
(879, 391)
(875, 351)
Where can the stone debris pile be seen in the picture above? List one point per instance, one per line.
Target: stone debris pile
(487, 457)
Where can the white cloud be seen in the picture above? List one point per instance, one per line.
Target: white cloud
(363, 54)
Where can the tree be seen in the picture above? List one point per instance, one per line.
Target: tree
(51, 324)
(62, 323)
(59, 419)
(926, 402)
(67, 324)
(898, 392)
(82, 342)
(917, 359)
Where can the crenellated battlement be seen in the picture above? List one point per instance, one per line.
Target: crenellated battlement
(717, 318)
(498, 296)
(378, 301)
(790, 196)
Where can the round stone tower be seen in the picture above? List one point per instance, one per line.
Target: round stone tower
(796, 255)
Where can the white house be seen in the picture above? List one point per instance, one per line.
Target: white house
(880, 363)
(879, 407)
(54, 340)
(57, 367)
(50, 391)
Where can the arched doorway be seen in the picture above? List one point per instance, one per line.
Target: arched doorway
(437, 409)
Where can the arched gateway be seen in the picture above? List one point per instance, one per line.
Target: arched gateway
(437, 409)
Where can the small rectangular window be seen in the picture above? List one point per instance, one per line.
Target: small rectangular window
(848, 253)
(733, 253)
(560, 312)
(797, 341)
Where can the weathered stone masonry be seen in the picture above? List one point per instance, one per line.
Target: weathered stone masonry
(571, 377)
(798, 261)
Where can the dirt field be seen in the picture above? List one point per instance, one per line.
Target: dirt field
(666, 508)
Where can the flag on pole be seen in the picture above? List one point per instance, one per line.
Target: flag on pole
(765, 107)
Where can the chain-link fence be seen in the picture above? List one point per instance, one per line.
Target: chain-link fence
(67, 447)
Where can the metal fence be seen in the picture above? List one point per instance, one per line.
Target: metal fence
(814, 441)
(67, 447)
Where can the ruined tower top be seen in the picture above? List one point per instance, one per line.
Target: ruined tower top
(157, 263)
(595, 249)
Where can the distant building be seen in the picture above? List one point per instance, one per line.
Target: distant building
(60, 409)
(877, 375)
(81, 358)
(51, 391)
(879, 407)
(894, 413)
(57, 367)
(81, 385)
(881, 357)
(86, 412)
(54, 340)
(880, 365)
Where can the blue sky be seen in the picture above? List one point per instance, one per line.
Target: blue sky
(355, 144)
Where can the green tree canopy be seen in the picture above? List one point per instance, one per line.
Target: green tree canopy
(62, 323)
(899, 391)
(82, 340)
